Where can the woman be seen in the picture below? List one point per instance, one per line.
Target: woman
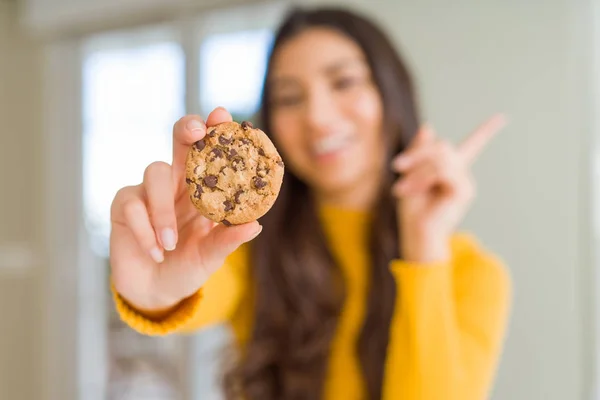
(358, 286)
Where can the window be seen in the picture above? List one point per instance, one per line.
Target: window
(232, 67)
(132, 94)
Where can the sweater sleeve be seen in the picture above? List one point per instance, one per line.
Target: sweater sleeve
(214, 303)
(448, 328)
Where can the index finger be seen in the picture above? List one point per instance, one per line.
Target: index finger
(470, 148)
(187, 131)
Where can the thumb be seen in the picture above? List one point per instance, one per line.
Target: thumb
(223, 240)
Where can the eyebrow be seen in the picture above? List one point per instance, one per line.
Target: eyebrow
(343, 63)
(328, 70)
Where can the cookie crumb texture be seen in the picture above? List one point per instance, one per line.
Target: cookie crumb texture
(234, 173)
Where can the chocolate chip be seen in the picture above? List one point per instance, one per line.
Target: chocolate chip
(258, 182)
(226, 223)
(232, 153)
(218, 153)
(223, 140)
(237, 195)
(188, 181)
(247, 125)
(200, 144)
(228, 205)
(212, 132)
(211, 181)
(245, 141)
(261, 151)
(198, 192)
(238, 164)
(280, 163)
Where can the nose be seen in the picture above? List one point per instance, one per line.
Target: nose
(321, 111)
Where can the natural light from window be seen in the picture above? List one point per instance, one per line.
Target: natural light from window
(131, 98)
(232, 67)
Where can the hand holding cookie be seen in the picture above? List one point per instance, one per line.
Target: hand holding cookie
(162, 249)
(436, 189)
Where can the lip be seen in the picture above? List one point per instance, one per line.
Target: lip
(334, 154)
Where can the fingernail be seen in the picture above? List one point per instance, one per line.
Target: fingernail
(194, 125)
(257, 232)
(157, 255)
(168, 239)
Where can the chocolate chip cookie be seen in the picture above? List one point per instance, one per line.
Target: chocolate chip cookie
(234, 173)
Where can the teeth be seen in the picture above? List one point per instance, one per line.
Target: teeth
(330, 144)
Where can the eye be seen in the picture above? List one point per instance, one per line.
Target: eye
(344, 83)
(286, 100)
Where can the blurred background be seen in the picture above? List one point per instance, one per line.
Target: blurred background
(88, 94)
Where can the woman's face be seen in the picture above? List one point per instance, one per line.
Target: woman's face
(327, 112)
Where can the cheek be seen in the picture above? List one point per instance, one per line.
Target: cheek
(366, 111)
(290, 140)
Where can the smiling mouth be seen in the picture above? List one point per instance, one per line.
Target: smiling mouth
(331, 144)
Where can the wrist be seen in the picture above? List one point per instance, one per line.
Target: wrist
(423, 248)
(149, 306)
(154, 310)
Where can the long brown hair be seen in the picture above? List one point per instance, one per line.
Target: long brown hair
(298, 288)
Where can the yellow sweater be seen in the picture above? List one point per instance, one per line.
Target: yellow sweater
(446, 333)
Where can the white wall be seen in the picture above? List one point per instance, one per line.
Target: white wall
(532, 60)
(57, 17)
(20, 206)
